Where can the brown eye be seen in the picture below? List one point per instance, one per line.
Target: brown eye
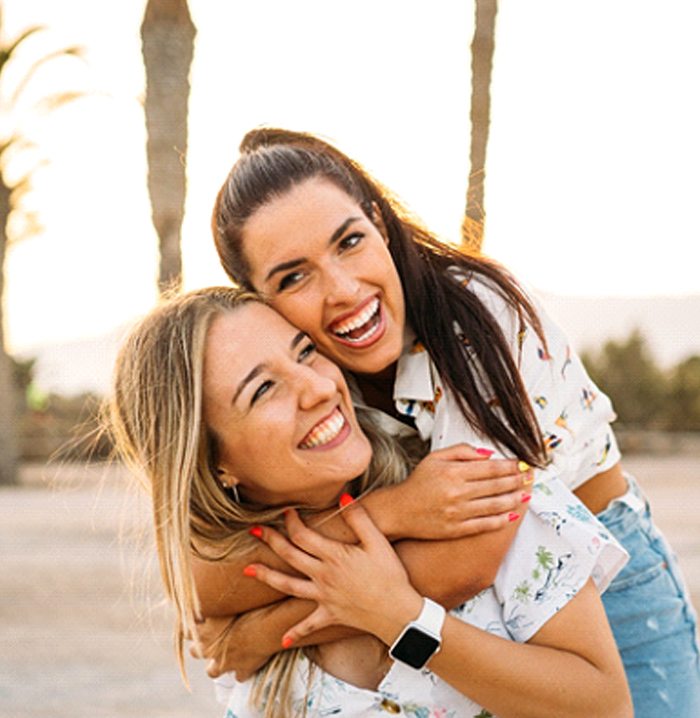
(289, 280)
(351, 241)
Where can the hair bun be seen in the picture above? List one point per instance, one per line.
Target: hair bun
(269, 136)
(266, 136)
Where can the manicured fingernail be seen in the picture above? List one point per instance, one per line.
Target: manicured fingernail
(346, 500)
(523, 466)
(287, 642)
(525, 498)
(529, 479)
(255, 531)
(250, 571)
(513, 516)
(485, 452)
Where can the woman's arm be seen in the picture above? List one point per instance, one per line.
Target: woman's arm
(453, 493)
(244, 643)
(570, 667)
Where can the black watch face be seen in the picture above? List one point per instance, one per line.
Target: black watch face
(415, 648)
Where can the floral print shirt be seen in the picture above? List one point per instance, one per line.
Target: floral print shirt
(559, 546)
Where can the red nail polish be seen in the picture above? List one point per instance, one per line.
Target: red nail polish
(287, 642)
(525, 498)
(513, 516)
(346, 500)
(255, 531)
(250, 571)
(485, 452)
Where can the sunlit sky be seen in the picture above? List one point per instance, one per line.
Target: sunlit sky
(593, 166)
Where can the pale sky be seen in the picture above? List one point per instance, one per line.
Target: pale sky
(593, 166)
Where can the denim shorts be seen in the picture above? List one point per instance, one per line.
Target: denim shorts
(651, 616)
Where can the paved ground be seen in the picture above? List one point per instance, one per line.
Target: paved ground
(79, 636)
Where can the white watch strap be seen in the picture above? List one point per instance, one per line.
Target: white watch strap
(431, 617)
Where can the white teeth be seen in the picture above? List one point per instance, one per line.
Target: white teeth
(324, 432)
(362, 318)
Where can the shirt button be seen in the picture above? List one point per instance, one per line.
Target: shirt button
(390, 706)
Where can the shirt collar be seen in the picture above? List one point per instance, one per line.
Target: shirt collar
(414, 381)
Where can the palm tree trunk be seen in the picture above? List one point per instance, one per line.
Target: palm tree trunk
(483, 44)
(167, 42)
(8, 395)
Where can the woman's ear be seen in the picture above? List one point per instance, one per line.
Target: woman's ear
(378, 221)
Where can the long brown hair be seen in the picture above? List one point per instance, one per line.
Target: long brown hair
(476, 364)
(155, 419)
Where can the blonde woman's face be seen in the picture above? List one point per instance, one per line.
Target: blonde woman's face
(326, 267)
(281, 412)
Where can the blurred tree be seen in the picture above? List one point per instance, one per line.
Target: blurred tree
(18, 163)
(483, 44)
(682, 407)
(167, 44)
(626, 371)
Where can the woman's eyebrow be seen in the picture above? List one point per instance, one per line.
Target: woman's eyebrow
(292, 263)
(296, 340)
(246, 380)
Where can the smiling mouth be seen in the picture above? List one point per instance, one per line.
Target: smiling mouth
(362, 326)
(325, 432)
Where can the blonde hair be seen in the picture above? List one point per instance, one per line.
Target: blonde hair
(155, 419)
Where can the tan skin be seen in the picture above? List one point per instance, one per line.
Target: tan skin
(329, 278)
(225, 591)
(569, 667)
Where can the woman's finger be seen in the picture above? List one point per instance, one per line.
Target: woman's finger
(490, 506)
(309, 540)
(319, 619)
(357, 518)
(283, 582)
(213, 668)
(479, 488)
(298, 559)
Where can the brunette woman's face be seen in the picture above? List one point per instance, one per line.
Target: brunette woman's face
(285, 427)
(325, 266)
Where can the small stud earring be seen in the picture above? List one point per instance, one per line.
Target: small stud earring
(232, 487)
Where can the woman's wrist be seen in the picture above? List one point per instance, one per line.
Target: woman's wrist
(404, 608)
(381, 505)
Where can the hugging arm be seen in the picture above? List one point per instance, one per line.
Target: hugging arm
(569, 667)
(244, 643)
(453, 494)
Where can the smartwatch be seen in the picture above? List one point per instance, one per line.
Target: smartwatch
(420, 640)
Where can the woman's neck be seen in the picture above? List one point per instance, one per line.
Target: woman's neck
(378, 389)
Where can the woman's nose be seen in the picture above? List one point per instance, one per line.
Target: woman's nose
(314, 387)
(341, 286)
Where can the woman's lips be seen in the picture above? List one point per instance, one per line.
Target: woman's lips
(327, 433)
(362, 328)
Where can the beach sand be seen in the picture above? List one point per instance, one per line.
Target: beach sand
(83, 631)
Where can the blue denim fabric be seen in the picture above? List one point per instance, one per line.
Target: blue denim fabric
(651, 617)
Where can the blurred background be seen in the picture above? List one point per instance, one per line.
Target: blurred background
(561, 137)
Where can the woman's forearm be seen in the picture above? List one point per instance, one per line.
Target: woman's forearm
(474, 561)
(570, 667)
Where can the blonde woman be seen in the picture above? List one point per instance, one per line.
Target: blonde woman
(234, 420)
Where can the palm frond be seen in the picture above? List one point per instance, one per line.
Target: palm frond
(6, 53)
(58, 99)
(74, 51)
(24, 224)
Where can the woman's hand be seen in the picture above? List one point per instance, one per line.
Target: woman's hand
(235, 644)
(362, 585)
(455, 492)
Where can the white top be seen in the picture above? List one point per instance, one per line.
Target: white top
(559, 544)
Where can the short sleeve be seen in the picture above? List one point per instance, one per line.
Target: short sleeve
(558, 548)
